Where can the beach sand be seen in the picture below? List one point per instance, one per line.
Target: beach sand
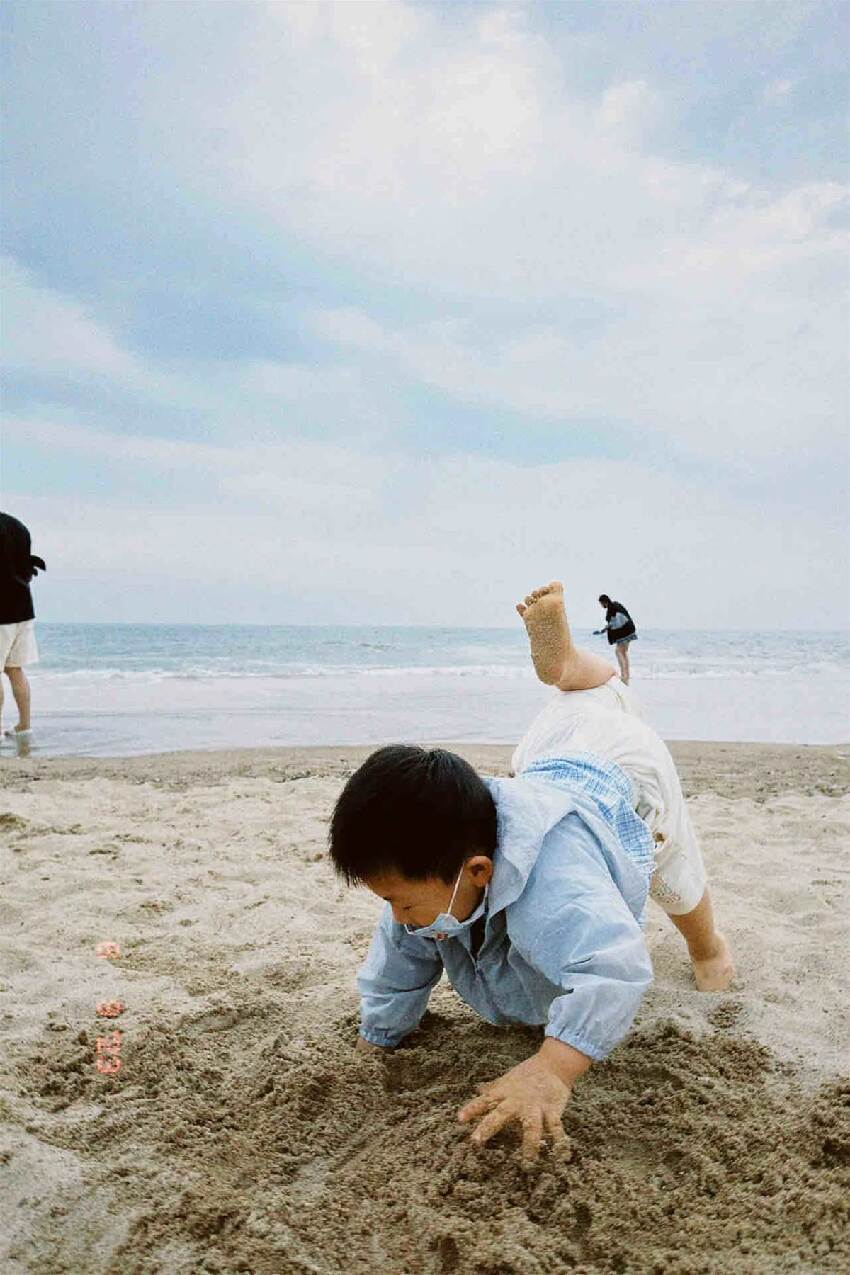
(243, 1134)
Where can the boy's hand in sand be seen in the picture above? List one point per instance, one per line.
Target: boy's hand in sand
(534, 1094)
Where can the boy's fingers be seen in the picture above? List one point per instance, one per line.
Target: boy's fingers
(477, 1107)
(532, 1132)
(555, 1131)
(492, 1124)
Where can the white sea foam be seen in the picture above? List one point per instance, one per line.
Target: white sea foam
(88, 676)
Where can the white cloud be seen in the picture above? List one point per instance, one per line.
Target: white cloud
(628, 107)
(760, 244)
(296, 381)
(453, 158)
(777, 89)
(451, 155)
(467, 165)
(308, 531)
(715, 383)
(45, 330)
(49, 333)
(309, 484)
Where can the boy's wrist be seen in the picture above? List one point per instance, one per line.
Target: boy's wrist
(369, 1047)
(563, 1061)
(378, 1036)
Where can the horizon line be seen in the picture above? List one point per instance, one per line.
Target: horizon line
(496, 628)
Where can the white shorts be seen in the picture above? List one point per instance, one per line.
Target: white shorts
(607, 721)
(17, 644)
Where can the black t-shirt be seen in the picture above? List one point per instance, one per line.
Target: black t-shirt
(17, 568)
(620, 624)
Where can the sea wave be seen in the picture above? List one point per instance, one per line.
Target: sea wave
(196, 673)
(676, 671)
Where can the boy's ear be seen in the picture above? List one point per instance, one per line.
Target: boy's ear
(481, 869)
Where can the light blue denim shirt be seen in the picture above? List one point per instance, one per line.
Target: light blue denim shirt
(563, 944)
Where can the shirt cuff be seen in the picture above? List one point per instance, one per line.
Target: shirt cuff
(581, 1043)
(380, 1036)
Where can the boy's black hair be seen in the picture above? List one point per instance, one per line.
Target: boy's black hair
(419, 812)
(604, 599)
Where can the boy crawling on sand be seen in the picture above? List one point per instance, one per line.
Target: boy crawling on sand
(529, 891)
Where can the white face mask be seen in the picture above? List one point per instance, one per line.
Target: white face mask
(446, 926)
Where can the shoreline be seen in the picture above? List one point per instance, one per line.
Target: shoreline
(730, 768)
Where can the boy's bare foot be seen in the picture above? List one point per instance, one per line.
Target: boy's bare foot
(546, 621)
(714, 973)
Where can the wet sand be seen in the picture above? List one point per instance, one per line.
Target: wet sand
(241, 1132)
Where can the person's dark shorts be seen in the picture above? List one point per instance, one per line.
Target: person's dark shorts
(625, 641)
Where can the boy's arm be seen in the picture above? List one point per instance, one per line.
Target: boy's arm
(601, 996)
(601, 991)
(575, 928)
(395, 982)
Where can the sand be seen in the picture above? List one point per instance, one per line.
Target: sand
(242, 1133)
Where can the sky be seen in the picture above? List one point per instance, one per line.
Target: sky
(388, 312)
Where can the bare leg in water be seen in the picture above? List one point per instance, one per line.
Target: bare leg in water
(21, 691)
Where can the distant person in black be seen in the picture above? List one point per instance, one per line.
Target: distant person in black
(621, 631)
(17, 628)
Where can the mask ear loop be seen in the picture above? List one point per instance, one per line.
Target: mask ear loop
(454, 891)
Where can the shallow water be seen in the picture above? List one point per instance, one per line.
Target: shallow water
(127, 689)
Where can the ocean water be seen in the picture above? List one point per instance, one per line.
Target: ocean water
(129, 689)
